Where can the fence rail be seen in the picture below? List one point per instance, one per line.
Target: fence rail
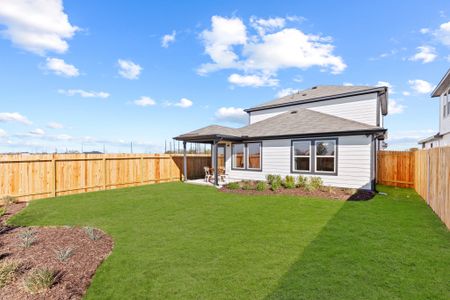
(28, 177)
(427, 171)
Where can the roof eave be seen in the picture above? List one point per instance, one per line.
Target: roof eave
(355, 93)
(319, 134)
(206, 138)
(444, 82)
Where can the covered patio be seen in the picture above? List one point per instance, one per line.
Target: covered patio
(219, 138)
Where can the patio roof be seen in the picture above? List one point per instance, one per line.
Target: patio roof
(299, 122)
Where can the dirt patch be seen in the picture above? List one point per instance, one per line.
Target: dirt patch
(12, 209)
(328, 193)
(73, 276)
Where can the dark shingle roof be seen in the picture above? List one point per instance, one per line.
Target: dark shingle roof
(317, 93)
(296, 122)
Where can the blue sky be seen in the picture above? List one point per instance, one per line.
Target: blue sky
(97, 73)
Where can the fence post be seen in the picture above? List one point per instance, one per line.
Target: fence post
(104, 172)
(53, 176)
(142, 169)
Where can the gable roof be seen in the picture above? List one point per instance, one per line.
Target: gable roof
(299, 122)
(320, 93)
(442, 85)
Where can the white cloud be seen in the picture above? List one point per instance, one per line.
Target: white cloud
(267, 25)
(252, 80)
(386, 84)
(14, 117)
(83, 93)
(219, 41)
(426, 54)
(421, 86)
(37, 131)
(144, 101)
(406, 93)
(424, 30)
(60, 67)
(286, 92)
(407, 139)
(55, 125)
(267, 53)
(443, 33)
(184, 103)
(395, 108)
(232, 114)
(37, 26)
(3, 133)
(128, 69)
(168, 39)
(348, 84)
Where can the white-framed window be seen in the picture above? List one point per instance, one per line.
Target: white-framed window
(238, 156)
(254, 156)
(325, 156)
(301, 156)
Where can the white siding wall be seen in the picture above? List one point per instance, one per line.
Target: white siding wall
(361, 108)
(444, 122)
(354, 162)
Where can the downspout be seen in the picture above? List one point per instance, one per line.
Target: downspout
(184, 161)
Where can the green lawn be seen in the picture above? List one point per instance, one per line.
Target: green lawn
(192, 242)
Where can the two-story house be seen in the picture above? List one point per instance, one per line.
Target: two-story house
(442, 138)
(329, 131)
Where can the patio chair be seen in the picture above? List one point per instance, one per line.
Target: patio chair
(208, 174)
(222, 174)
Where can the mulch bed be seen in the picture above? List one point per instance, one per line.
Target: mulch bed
(334, 193)
(12, 210)
(73, 276)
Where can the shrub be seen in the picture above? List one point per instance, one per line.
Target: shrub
(270, 178)
(7, 200)
(63, 254)
(2, 211)
(8, 269)
(261, 186)
(316, 183)
(92, 233)
(302, 181)
(247, 186)
(289, 182)
(27, 238)
(39, 280)
(233, 186)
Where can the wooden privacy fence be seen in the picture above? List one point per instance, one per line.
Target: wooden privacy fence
(427, 171)
(28, 177)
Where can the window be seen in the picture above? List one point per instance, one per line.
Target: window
(254, 156)
(325, 156)
(301, 156)
(238, 156)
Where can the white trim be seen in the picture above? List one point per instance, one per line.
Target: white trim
(295, 156)
(233, 155)
(325, 156)
(248, 156)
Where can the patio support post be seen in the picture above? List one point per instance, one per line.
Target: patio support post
(184, 161)
(216, 163)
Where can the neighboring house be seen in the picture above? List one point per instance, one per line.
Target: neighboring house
(442, 138)
(329, 131)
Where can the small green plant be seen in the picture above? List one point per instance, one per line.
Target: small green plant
(276, 183)
(63, 254)
(27, 238)
(302, 181)
(2, 211)
(92, 233)
(247, 186)
(8, 270)
(261, 186)
(289, 182)
(39, 280)
(269, 178)
(7, 200)
(233, 186)
(316, 183)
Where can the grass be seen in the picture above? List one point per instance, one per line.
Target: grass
(192, 242)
